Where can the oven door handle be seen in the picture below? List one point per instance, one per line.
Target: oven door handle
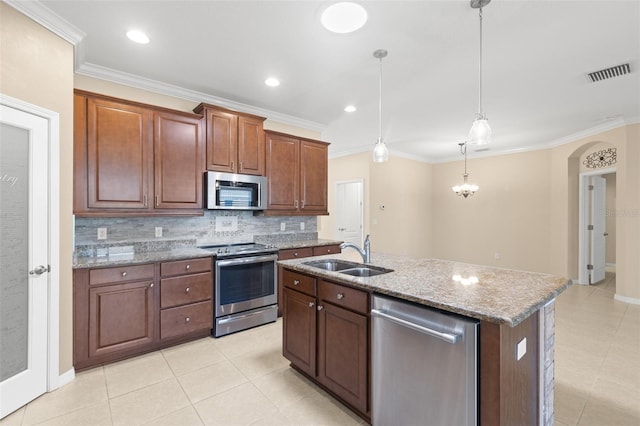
(245, 260)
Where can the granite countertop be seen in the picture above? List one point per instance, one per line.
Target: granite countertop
(142, 257)
(503, 296)
(283, 245)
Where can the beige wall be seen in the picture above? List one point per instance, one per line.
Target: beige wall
(402, 186)
(506, 223)
(37, 67)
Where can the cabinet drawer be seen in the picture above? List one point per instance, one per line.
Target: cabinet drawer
(189, 266)
(299, 282)
(121, 274)
(350, 298)
(333, 249)
(186, 319)
(295, 253)
(185, 289)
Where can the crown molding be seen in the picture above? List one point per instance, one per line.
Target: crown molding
(104, 73)
(48, 19)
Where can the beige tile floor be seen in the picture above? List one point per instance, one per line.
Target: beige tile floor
(597, 374)
(242, 379)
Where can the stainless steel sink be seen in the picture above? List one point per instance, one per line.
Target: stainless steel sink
(349, 268)
(332, 264)
(366, 271)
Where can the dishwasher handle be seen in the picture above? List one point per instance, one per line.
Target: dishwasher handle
(447, 337)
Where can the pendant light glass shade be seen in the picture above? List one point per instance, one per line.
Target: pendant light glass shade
(480, 133)
(380, 151)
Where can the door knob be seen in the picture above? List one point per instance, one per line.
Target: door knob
(39, 270)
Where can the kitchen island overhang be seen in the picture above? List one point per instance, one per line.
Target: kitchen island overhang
(516, 310)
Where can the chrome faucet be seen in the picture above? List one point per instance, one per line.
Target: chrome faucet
(366, 253)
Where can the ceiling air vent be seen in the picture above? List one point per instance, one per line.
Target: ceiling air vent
(611, 72)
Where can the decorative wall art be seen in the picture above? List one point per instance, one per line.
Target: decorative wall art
(599, 159)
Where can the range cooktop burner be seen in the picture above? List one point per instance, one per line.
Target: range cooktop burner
(240, 249)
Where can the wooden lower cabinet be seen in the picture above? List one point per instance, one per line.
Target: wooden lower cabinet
(342, 353)
(299, 330)
(326, 331)
(121, 317)
(299, 253)
(123, 311)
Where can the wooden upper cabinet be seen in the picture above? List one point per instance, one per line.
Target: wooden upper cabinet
(235, 141)
(179, 161)
(136, 159)
(118, 155)
(296, 171)
(282, 159)
(313, 176)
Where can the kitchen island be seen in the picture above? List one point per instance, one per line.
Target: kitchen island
(510, 305)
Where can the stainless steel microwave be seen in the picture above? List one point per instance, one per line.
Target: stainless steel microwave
(232, 191)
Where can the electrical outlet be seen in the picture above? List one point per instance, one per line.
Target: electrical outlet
(302, 226)
(158, 231)
(283, 226)
(496, 256)
(521, 348)
(102, 233)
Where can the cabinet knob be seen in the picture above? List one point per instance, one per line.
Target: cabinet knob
(124, 274)
(187, 319)
(311, 304)
(320, 307)
(328, 250)
(340, 296)
(296, 282)
(151, 285)
(295, 254)
(188, 267)
(186, 290)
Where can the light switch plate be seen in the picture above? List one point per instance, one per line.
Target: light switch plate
(302, 226)
(283, 226)
(158, 231)
(521, 349)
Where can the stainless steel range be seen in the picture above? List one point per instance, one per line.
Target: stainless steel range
(245, 286)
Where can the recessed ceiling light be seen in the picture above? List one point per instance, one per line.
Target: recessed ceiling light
(344, 17)
(272, 82)
(138, 36)
(350, 108)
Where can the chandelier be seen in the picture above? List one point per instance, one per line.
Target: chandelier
(466, 188)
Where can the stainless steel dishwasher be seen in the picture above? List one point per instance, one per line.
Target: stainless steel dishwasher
(424, 365)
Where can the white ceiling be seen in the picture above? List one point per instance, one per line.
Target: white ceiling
(536, 54)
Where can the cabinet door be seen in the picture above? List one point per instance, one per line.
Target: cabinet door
(179, 167)
(342, 354)
(299, 330)
(282, 170)
(119, 146)
(250, 146)
(121, 317)
(222, 141)
(313, 176)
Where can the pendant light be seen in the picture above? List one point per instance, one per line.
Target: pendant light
(466, 188)
(380, 151)
(480, 133)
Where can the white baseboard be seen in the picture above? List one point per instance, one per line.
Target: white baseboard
(66, 377)
(610, 267)
(631, 300)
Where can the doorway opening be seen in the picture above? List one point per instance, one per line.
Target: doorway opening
(596, 221)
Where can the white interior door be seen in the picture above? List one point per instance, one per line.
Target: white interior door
(349, 211)
(24, 281)
(598, 220)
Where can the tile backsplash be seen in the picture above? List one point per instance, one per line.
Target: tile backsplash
(215, 227)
